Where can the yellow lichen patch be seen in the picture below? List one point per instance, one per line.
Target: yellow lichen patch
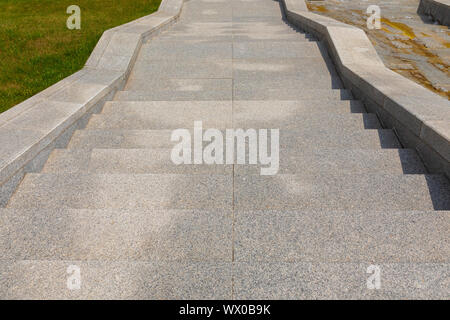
(406, 30)
(442, 41)
(399, 49)
(316, 7)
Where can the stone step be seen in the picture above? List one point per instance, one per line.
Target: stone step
(199, 27)
(316, 69)
(162, 280)
(300, 139)
(222, 90)
(158, 161)
(204, 35)
(122, 191)
(299, 107)
(289, 88)
(198, 35)
(326, 115)
(134, 235)
(275, 50)
(265, 27)
(120, 139)
(243, 90)
(307, 162)
(163, 115)
(380, 192)
(302, 280)
(271, 20)
(206, 235)
(206, 18)
(129, 161)
(159, 118)
(47, 279)
(377, 192)
(300, 73)
(157, 49)
(162, 89)
(342, 236)
(174, 115)
(289, 84)
(183, 68)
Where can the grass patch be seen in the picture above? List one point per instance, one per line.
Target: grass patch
(36, 48)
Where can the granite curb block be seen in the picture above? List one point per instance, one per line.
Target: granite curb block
(30, 130)
(420, 117)
(439, 10)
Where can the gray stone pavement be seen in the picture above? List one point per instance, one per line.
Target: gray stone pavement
(346, 197)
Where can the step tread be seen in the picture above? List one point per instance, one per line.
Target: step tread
(206, 235)
(132, 161)
(38, 279)
(342, 192)
(299, 140)
(123, 191)
(184, 115)
(303, 107)
(345, 236)
(244, 91)
(251, 192)
(136, 235)
(159, 161)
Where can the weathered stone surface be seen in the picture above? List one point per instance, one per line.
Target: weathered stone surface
(279, 280)
(358, 236)
(32, 279)
(380, 192)
(126, 161)
(98, 191)
(110, 235)
(163, 115)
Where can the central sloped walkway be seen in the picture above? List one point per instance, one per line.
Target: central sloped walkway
(347, 194)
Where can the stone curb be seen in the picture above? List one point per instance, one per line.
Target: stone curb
(31, 129)
(439, 10)
(420, 117)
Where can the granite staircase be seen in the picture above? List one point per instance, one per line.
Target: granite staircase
(347, 194)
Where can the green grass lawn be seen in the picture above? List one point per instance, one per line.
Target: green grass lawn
(36, 48)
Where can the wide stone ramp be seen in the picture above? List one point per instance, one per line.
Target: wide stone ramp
(346, 196)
